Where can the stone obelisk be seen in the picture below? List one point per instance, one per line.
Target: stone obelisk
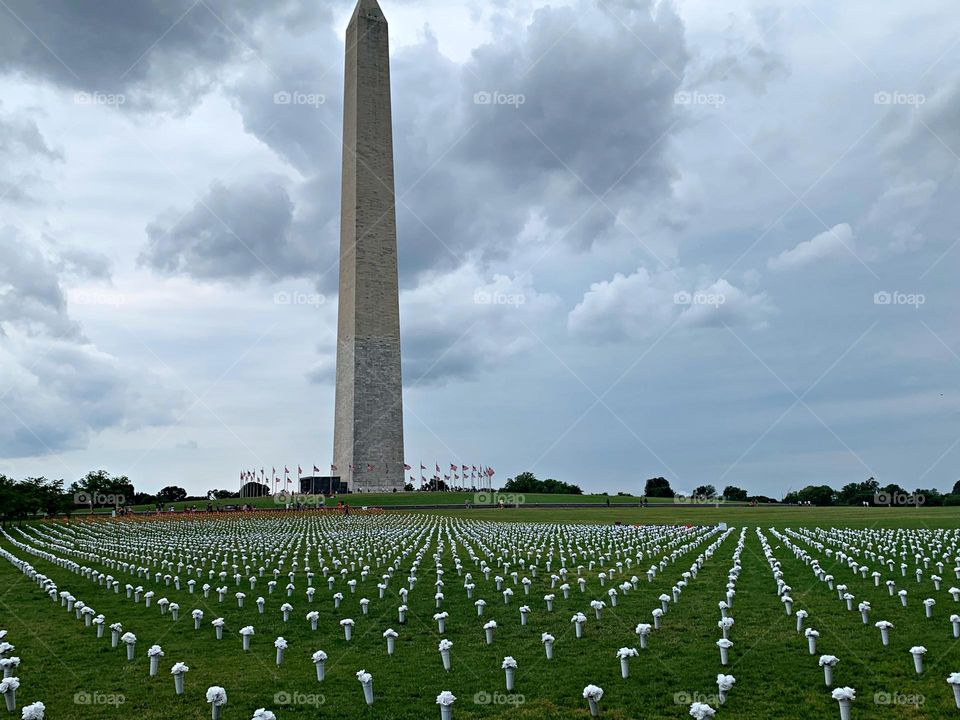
(368, 424)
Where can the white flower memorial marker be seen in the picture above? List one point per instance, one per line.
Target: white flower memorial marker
(9, 666)
(828, 662)
(319, 658)
(724, 685)
(178, 671)
(801, 616)
(8, 688)
(547, 639)
(844, 696)
(444, 649)
(246, 633)
(347, 625)
(701, 711)
(445, 700)
(918, 651)
(811, 636)
(217, 698)
(366, 680)
(578, 620)
(131, 642)
(953, 679)
(592, 695)
(509, 666)
(643, 631)
(218, 627)
(391, 635)
(154, 653)
(624, 654)
(33, 711)
(724, 646)
(280, 644)
(488, 629)
(884, 627)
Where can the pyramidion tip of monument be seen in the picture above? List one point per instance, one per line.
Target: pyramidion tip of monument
(370, 10)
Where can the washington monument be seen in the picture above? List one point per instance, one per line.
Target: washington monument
(368, 423)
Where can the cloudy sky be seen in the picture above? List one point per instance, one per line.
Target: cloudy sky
(711, 241)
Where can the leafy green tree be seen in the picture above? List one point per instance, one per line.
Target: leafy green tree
(658, 487)
(705, 492)
(817, 495)
(735, 494)
(171, 493)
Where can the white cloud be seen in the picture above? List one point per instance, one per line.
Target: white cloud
(635, 306)
(831, 244)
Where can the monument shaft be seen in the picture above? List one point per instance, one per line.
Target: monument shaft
(368, 424)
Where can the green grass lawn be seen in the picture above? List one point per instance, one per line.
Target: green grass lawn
(776, 677)
(454, 499)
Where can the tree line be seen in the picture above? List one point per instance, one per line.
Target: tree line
(98, 489)
(868, 492)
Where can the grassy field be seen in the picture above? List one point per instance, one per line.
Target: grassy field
(454, 499)
(63, 661)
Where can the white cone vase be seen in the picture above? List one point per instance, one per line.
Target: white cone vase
(828, 675)
(548, 648)
(510, 673)
(445, 657)
(114, 638)
(391, 645)
(724, 656)
(812, 645)
(885, 636)
(10, 697)
(219, 631)
(956, 695)
(347, 631)
(154, 665)
(131, 649)
(178, 683)
(246, 642)
(844, 709)
(624, 668)
(279, 656)
(594, 707)
(368, 692)
(918, 663)
(488, 632)
(446, 712)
